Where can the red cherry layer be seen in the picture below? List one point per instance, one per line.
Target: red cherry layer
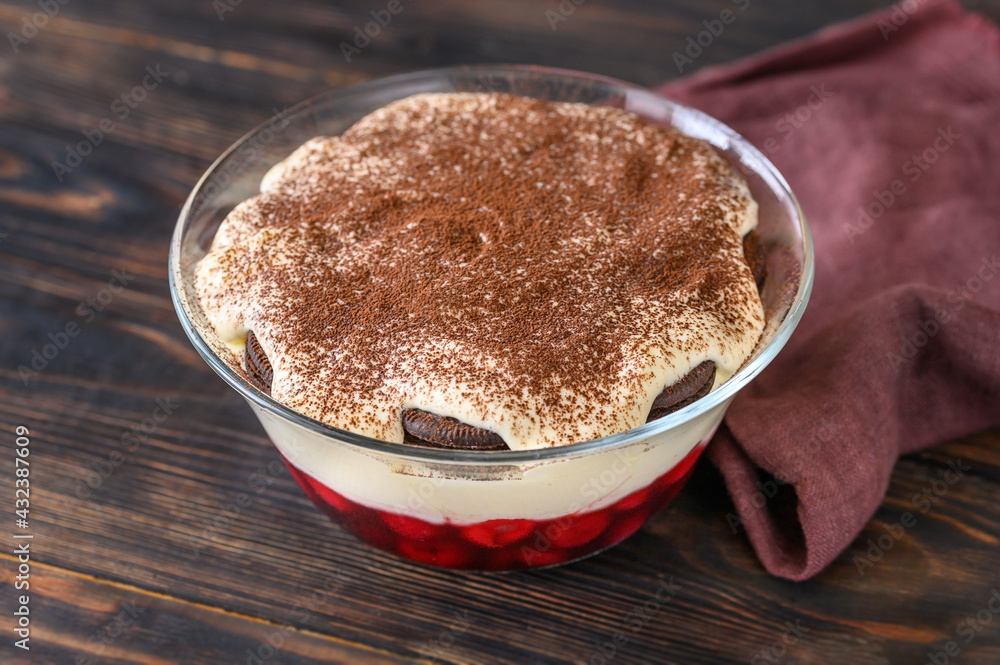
(500, 544)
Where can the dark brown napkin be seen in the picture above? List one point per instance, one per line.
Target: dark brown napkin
(888, 130)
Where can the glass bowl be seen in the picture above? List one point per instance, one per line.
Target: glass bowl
(476, 509)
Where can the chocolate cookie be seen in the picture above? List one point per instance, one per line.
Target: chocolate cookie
(422, 428)
(692, 386)
(431, 430)
(258, 366)
(443, 432)
(428, 429)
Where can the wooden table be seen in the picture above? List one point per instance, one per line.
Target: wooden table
(191, 544)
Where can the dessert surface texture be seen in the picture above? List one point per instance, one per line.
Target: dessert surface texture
(540, 270)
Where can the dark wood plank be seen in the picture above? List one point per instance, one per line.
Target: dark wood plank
(633, 39)
(86, 621)
(152, 523)
(156, 523)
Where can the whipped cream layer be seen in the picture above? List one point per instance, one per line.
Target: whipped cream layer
(542, 270)
(469, 495)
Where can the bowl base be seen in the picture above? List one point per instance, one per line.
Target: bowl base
(500, 544)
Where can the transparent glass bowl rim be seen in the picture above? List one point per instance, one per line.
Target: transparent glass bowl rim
(411, 82)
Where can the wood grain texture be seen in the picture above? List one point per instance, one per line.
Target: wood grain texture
(89, 621)
(159, 524)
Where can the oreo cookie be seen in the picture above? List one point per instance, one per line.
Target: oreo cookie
(431, 430)
(258, 366)
(422, 428)
(692, 386)
(444, 432)
(428, 429)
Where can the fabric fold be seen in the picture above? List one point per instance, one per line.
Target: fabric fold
(885, 129)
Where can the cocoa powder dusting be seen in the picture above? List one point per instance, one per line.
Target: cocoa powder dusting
(542, 270)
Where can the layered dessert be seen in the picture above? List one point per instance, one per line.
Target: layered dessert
(489, 272)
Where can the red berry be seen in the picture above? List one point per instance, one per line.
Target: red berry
(575, 530)
(497, 533)
(301, 478)
(622, 527)
(634, 500)
(447, 555)
(369, 527)
(318, 492)
(331, 498)
(410, 527)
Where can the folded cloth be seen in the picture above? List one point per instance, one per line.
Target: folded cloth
(887, 130)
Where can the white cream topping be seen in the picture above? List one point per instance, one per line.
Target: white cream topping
(264, 257)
